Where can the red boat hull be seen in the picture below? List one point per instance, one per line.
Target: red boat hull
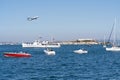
(17, 55)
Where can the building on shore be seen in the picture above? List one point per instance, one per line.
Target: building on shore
(9, 43)
(80, 42)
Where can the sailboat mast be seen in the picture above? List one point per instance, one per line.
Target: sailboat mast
(111, 32)
(114, 35)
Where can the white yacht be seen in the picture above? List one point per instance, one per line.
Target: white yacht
(42, 44)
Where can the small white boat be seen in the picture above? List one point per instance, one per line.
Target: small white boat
(114, 48)
(80, 51)
(104, 46)
(49, 52)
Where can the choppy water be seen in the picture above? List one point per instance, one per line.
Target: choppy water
(97, 64)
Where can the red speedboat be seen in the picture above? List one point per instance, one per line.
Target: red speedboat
(14, 54)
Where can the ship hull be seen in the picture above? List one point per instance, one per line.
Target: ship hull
(17, 55)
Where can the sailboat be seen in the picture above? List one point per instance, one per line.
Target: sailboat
(114, 47)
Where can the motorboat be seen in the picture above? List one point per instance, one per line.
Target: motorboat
(80, 51)
(17, 54)
(49, 51)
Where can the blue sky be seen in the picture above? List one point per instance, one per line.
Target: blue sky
(61, 19)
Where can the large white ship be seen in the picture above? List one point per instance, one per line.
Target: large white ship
(42, 44)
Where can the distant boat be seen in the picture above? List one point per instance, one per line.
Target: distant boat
(104, 44)
(15, 54)
(80, 51)
(114, 46)
(49, 51)
(42, 44)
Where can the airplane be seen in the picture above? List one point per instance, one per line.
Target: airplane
(32, 18)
